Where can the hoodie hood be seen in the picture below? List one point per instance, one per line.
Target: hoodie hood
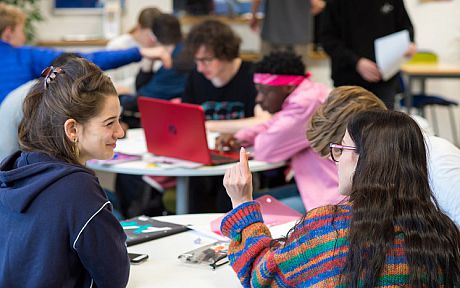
(24, 175)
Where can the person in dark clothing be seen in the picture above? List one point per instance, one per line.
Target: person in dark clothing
(135, 195)
(236, 100)
(222, 81)
(349, 30)
(165, 83)
(51, 205)
(222, 84)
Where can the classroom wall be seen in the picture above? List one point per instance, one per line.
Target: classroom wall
(437, 26)
(56, 26)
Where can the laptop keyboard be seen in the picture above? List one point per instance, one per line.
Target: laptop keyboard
(221, 159)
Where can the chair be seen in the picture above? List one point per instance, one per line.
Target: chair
(423, 100)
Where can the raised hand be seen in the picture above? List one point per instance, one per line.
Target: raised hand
(238, 181)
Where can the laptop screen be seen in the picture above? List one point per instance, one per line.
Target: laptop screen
(174, 129)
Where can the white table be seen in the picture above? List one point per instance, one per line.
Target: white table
(163, 269)
(135, 144)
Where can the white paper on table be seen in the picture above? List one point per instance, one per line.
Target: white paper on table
(133, 144)
(169, 162)
(389, 52)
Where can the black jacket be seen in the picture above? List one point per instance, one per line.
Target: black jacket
(350, 28)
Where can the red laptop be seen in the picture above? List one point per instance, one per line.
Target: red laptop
(178, 131)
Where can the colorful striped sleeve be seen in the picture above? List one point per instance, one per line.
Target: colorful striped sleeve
(312, 256)
(250, 240)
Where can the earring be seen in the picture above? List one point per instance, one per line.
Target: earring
(75, 147)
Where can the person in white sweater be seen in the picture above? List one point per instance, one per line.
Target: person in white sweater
(444, 170)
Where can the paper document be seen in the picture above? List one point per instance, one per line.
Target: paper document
(169, 162)
(389, 53)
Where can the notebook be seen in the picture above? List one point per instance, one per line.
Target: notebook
(143, 228)
(273, 211)
(177, 130)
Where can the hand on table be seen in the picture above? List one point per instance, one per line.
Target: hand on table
(226, 142)
(238, 181)
(368, 70)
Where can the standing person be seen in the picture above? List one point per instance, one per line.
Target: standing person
(390, 233)
(349, 31)
(25, 63)
(51, 205)
(287, 25)
(140, 35)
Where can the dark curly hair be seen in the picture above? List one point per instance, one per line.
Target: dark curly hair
(281, 63)
(216, 37)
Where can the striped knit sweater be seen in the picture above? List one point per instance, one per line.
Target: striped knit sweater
(313, 257)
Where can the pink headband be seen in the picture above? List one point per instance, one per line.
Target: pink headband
(279, 80)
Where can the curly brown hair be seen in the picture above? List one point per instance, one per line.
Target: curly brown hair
(216, 37)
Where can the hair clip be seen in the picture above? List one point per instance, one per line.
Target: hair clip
(49, 73)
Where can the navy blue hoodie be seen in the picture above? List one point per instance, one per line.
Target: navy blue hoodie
(56, 226)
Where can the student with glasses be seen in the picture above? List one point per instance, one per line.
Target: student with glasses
(26, 62)
(390, 233)
(56, 223)
(283, 137)
(222, 84)
(221, 80)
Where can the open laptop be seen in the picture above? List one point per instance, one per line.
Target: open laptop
(177, 130)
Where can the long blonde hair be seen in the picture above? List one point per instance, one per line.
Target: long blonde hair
(329, 122)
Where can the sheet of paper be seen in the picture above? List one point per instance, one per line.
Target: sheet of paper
(133, 144)
(389, 53)
(170, 163)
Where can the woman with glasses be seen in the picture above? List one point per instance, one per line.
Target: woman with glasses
(56, 223)
(391, 233)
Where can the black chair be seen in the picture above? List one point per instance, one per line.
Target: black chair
(423, 100)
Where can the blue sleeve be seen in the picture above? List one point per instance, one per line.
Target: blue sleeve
(113, 59)
(41, 58)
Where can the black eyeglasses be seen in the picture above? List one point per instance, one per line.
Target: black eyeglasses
(205, 60)
(49, 73)
(336, 150)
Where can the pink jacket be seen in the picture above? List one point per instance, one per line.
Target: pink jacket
(283, 137)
